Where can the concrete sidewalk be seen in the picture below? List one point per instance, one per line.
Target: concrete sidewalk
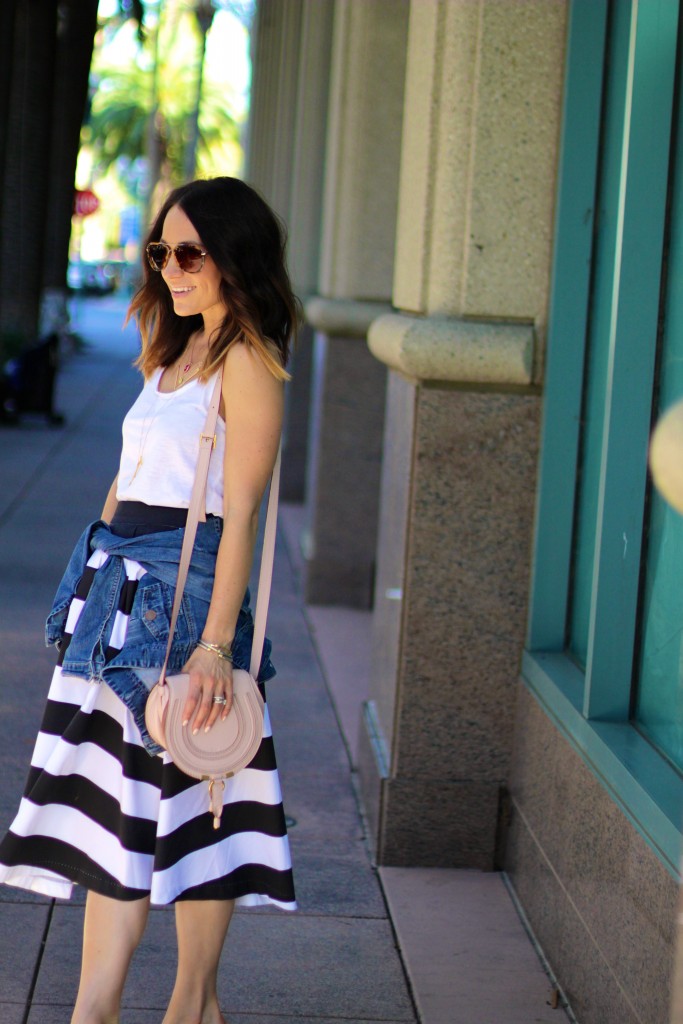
(462, 945)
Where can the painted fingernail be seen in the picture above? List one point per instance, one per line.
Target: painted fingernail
(195, 731)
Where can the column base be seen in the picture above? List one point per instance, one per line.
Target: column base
(422, 822)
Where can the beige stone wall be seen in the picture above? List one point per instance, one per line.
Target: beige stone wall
(677, 983)
(600, 901)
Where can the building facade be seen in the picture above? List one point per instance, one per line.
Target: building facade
(484, 200)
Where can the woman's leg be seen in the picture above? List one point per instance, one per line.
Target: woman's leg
(201, 926)
(111, 933)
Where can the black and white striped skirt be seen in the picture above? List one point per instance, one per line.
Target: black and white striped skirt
(98, 811)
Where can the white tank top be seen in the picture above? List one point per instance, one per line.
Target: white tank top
(161, 445)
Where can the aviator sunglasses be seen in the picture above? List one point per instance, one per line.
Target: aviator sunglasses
(189, 255)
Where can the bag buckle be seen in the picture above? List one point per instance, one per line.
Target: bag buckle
(206, 437)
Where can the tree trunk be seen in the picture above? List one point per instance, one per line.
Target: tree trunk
(204, 13)
(76, 32)
(26, 161)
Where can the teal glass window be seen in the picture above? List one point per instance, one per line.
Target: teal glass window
(605, 622)
(659, 699)
(659, 709)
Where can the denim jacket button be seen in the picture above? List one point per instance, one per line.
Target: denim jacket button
(150, 615)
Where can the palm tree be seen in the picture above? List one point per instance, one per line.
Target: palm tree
(204, 12)
(150, 108)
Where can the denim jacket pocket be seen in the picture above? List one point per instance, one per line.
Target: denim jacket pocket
(149, 623)
(154, 609)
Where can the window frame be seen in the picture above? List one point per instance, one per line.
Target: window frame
(592, 709)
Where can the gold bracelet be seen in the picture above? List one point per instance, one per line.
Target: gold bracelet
(224, 652)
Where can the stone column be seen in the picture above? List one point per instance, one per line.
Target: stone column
(276, 46)
(304, 219)
(478, 162)
(356, 267)
(285, 161)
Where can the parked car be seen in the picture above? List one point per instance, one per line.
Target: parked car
(87, 278)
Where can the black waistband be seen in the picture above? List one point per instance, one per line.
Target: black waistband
(149, 515)
(135, 518)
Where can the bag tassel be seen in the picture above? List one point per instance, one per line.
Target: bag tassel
(216, 800)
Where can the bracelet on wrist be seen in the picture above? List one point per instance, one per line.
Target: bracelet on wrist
(223, 651)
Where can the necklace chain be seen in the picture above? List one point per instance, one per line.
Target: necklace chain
(144, 434)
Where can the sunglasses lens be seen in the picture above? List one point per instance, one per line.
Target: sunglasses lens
(157, 254)
(190, 257)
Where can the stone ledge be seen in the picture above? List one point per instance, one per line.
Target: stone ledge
(446, 349)
(347, 318)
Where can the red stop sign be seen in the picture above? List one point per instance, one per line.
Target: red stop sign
(85, 202)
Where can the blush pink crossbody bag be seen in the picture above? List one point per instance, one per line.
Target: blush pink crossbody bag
(231, 743)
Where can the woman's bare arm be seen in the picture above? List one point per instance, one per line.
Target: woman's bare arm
(111, 502)
(253, 401)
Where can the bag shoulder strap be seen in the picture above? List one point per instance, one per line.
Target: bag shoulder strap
(197, 512)
(266, 573)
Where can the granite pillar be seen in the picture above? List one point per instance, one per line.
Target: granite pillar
(345, 453)
(464, 352)
(455, 532)
(341, 539)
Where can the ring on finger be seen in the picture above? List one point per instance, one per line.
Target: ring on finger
(220, 700)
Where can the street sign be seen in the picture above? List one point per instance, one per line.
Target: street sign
(85, 202)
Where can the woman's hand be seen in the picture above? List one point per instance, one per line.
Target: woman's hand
(210, 677)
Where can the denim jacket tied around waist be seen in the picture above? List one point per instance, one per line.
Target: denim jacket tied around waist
(147, 634)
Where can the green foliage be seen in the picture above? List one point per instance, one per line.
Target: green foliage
(148, 102)
(119, 115)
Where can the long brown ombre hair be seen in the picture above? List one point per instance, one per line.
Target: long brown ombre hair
(247, 243)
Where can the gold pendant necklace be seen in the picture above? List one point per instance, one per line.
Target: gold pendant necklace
(182, 374)
(180, 379)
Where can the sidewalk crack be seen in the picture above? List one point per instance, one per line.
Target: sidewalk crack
(39, 961)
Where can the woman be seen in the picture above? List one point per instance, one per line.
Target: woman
(97, 809)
